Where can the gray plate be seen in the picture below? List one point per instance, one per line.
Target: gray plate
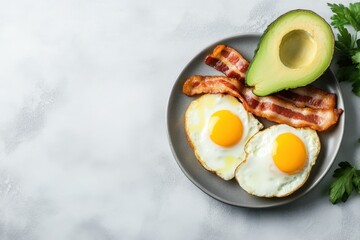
(229, 191)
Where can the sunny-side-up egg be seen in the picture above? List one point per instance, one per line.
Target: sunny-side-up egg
(218, 127)
(279, 160)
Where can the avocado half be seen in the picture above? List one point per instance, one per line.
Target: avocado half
(294, 51)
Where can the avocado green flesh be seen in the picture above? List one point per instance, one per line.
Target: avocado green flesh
(294, 51)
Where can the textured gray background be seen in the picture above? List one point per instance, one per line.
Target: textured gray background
(84, 154)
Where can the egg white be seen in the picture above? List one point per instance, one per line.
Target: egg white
(258, 174)
(221, 160)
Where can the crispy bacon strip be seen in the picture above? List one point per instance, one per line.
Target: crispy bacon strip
(230, 62)
(270, 107)
(199, 84)
(309, 96)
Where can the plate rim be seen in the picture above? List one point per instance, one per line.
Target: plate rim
(219, 198)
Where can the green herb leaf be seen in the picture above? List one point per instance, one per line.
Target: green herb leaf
(356, 181)
(354, 17)
(347, 45)
(339, 17)
(345, 42)
(343, 15)
(342, 187)
(348, 73)
(356, 59)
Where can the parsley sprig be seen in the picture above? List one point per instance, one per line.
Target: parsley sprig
(347, 179)
(347, 45)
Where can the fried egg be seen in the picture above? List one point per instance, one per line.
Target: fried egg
(278, 161)
(218, 127)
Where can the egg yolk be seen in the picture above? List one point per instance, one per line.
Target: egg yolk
(289, 153)
(225, 128)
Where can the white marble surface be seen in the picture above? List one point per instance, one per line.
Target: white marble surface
(83, 139)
